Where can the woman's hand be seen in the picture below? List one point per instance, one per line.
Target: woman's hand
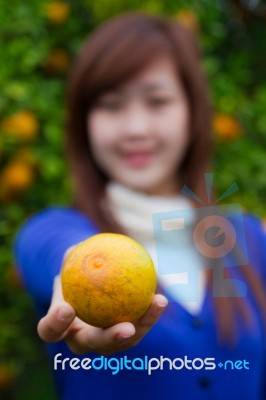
(61, 322)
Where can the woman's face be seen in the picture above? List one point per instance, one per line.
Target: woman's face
(140, 131)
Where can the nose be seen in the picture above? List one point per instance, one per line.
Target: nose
(136, 122)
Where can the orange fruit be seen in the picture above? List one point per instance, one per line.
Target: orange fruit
(16, 177)
(58, 61)
(189, 19)
(23, 125)
(13, 278)
(57, 11)
(7, 376)
(227, 127)
(108, 278)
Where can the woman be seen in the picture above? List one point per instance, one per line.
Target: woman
(138, 130)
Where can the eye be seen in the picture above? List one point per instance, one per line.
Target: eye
(157, 102)
(110, 103)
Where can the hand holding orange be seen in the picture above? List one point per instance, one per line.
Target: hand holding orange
(108, 278)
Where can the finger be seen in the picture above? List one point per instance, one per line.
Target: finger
(57, 291)
(103, 341)
(157, 307)
(53, 326)
(117, 337)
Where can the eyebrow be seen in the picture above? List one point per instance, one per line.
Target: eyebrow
(155, 86)
(147, 88)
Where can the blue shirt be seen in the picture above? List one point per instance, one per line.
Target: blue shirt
(180, 347)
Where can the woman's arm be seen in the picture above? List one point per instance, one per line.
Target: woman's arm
(40, 246)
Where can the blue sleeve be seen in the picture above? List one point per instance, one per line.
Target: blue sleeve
(40, 245)
(258, 244)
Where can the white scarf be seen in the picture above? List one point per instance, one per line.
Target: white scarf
(134, 210)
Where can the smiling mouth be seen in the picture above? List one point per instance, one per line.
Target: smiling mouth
(138, 159)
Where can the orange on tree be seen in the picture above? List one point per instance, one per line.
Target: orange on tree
(15, 178)
(226, 127)
(22, 124)
(189, 19)
(108, 278)
(13, 278)
(7, 376)
(58, 61)
(57, 11)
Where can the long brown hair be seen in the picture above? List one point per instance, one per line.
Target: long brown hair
(113, 54)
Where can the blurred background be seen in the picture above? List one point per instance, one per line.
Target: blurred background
(38, 42)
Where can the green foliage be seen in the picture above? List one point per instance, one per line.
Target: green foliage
(234, 60)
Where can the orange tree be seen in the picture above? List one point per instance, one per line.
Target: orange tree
(39, 40)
